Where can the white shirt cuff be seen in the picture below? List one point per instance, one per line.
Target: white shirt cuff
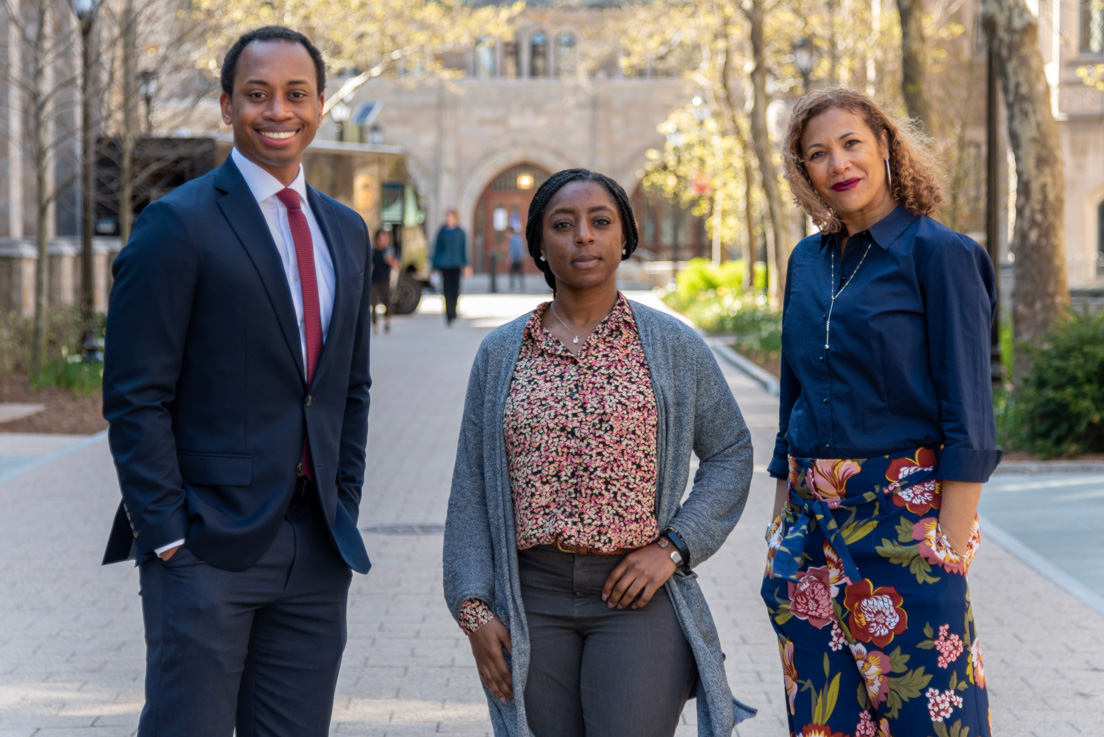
(163, 548)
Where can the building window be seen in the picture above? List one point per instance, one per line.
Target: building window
(538, 55)
(511, 64)
(565, 55)
(485, 58)
(1092, 27)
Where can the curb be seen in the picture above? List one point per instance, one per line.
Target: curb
(42, 461)
(763, 378)
(1017, 549)
(1037, 467)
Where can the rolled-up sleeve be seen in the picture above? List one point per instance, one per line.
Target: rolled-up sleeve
(960, 297)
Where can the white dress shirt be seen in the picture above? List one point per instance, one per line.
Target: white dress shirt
(264, 187)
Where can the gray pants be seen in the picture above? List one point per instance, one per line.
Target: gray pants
(596, 671)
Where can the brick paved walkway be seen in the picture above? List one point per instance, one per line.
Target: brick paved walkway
(71, 652)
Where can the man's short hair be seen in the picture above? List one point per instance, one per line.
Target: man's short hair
(269, 33)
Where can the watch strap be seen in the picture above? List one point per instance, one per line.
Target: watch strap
(680, 546)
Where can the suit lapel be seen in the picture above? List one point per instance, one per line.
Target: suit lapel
(244, 215)
(335, 243)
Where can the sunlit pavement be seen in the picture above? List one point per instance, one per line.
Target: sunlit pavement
(71, 650)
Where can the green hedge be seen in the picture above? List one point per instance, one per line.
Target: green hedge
(64, 330)
(1058, 410)
(714, 298)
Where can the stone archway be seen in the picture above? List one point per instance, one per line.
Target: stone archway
(489, 165)
(504, 204)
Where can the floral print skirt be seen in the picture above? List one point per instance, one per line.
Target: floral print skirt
(871, 605)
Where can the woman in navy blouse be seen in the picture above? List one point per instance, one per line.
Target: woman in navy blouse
(886, 434)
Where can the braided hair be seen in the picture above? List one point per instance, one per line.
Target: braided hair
(534, 225)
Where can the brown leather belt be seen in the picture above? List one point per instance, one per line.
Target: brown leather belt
(559, 545)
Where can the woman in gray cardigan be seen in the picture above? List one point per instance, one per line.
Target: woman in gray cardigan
(568, 544)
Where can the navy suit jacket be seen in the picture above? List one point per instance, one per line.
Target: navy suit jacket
(204, 386)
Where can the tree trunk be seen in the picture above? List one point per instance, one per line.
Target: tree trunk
(130, 119)
(747, 250)
(760, 141)
(914, 62)
(41, 156)
(732, 118)
(1040, 292)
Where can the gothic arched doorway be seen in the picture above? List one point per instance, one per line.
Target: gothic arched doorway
(504, 203)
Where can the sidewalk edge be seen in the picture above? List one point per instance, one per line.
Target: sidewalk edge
(1018, 550)
(752, 370)
(39, 462)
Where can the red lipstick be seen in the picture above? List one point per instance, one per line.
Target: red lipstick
(845, 185)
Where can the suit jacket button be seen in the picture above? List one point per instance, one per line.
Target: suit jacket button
(299, 468)
(308, 400)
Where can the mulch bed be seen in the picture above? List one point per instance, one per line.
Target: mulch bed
(64, 413)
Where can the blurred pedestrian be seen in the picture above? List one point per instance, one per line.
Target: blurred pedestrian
(383, 261)
(517, 260)
(568, 546)
(450, 257)
(886, 434)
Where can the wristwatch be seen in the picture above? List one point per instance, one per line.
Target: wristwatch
(676, 557)
(680, 556)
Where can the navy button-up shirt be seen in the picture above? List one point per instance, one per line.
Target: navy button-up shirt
(908, 363)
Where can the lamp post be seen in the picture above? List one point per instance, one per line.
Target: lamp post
(340, 113)
(147, 86)
(804, 56)
(86, 14)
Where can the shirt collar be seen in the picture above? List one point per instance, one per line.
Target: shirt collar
(884, 232)
(262, 184)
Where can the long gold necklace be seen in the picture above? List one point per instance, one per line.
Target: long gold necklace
(833, 294)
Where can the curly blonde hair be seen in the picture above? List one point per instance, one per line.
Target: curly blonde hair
(911, 160)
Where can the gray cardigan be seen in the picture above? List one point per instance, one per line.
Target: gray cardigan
(696, 412)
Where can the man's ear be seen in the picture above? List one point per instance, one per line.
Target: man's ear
(224, 105)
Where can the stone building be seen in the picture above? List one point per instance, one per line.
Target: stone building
(1072, 36)
(18, 201)
(522, 110)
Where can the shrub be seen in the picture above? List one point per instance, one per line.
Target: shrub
(1059, 408)
(64, 331)
(82, 377)
(713, 297)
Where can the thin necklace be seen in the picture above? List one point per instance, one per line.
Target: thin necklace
(832, 286)
(552, 306)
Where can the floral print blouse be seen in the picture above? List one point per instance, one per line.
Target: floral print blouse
(580, 436)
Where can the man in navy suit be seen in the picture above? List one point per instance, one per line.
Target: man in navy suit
(236, 384)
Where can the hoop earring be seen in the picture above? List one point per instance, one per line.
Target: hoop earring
(889, 177)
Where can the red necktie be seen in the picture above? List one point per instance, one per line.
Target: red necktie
(308, 286)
